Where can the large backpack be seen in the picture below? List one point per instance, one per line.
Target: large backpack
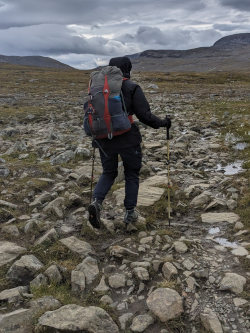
(105, 111)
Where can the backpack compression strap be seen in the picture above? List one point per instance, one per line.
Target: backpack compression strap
(130, 116)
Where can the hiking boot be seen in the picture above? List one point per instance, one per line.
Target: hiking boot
(131, 216)
(94, 210)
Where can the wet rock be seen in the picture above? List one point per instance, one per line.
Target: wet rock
(117, 280)
(24, 269)
(9, 251)
(210, 321)
(77, 318)
(18, 321)
(180, 247)
(165, 303)
(141, 323)
(78, 246)
(219, 217)
(90, 269)
(233, 282)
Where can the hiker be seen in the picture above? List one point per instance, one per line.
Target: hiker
(126, 145)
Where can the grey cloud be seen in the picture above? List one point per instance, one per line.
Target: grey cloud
(53, 39)
(237, 4)
(29, 12)
(226, 27)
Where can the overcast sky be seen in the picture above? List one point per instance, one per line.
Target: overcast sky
(86, 33)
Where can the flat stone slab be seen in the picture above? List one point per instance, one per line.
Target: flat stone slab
(219, 217)
(9, 251)
(78, 246)
(149, 192)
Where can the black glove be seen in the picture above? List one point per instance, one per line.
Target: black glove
(166, 122)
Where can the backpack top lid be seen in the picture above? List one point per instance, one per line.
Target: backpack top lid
(114, 78)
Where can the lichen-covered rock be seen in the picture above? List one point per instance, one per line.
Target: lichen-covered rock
(210, 321)
(78, 246)
(141, 323)
(90, 269)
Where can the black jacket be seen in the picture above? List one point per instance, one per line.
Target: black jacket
(136, 104)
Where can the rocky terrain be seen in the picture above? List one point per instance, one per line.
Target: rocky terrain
(37, 61)
(230, 53)
(58, 274)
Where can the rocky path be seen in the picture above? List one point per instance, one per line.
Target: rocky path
(57, 274)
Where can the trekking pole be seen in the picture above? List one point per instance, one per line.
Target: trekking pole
(92, 175)
(168, 164)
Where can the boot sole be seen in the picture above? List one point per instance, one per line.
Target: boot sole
(94, 220)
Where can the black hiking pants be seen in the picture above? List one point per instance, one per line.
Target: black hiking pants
(131, 158)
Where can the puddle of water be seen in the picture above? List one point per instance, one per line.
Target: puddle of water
(213, 231)
(231, 169)
(225, 242)
(240, 146)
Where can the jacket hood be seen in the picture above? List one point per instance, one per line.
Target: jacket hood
(123, 63)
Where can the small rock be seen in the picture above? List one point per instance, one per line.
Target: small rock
(141, 273)
(125, 319)
(169, 270)
(77, 246)
(53, 274)
(240, 251)
(141, 323)
(117, 281)
(46, 303)
(77, 282)
(239, 226)
(39, 281)
(49, 237)
(102, 287)
(90, 269)
(180, 247)
(106, 300)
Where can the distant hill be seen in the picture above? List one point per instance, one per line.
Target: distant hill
(230, 53)
(38, 61)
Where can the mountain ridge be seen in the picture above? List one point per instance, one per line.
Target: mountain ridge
(38, 61)
(228, 53)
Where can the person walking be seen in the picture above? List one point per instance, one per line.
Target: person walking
(126, 145)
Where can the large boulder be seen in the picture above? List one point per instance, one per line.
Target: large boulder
(165, 303)
(72, 318)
